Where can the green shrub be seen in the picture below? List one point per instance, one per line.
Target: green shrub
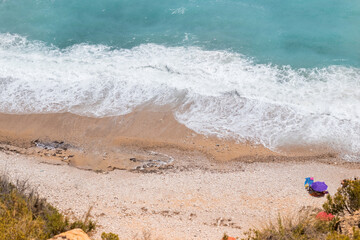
(86, 224)
(24, 215)
(16, 220)
(109, 236)
(346, 199)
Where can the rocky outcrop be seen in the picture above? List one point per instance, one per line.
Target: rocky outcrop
(348, 223)
(75, 234)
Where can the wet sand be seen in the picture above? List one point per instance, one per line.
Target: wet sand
(144, 136)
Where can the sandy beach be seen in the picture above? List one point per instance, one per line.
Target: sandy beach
(192, 203)
(146, 172)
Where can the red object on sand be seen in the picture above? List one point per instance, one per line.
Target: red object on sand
(230, 238)
(324, 216)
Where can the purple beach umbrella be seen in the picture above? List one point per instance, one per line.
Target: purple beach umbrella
(319, 186)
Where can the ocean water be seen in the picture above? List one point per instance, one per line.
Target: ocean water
(273, 72)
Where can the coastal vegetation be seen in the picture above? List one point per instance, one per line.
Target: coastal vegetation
(345, 200)
(25, 215)
(345, 205)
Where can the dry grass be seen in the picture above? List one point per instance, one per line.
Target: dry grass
(303, 227)
(25, 215)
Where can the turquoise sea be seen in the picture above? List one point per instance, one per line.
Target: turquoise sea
(274, 72)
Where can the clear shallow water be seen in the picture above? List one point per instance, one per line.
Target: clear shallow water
(273, 72)
(299, 33)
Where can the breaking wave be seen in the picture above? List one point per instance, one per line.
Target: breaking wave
(212, 92)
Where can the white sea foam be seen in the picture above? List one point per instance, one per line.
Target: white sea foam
(212, 92)
(180, 11)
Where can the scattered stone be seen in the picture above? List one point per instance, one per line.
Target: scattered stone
(225, 223)
(52, 145)
(153, 163)
(219, 221)
(192, 216)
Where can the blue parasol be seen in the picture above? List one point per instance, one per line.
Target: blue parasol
(308, 182)
(319, 186)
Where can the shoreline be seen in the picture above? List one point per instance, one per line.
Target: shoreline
(153, 138)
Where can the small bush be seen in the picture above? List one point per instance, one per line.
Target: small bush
(346, 199)
(16, 220)
(24, 215)
(86, 224)
(225, 237)
(109, 236)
